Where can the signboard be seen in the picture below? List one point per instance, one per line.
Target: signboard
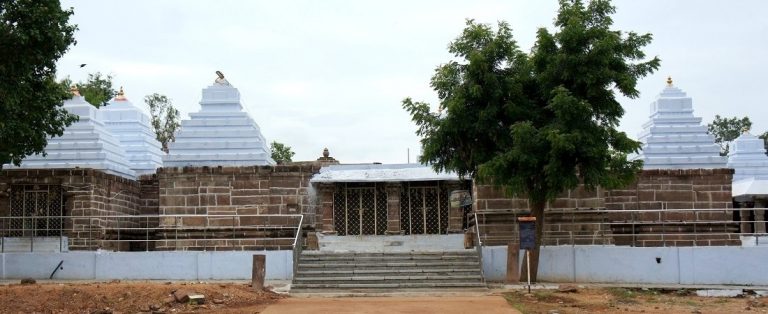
(527, 232)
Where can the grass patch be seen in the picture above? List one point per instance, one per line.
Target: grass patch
(623, 295)
(515, 300)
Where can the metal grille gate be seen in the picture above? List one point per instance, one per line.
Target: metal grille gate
(424, 208)
(360, 209)
(35, 204)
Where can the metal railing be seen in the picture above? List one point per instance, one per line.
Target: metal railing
(154, 232)
(297, 246)
(660, 227)
(479, 246)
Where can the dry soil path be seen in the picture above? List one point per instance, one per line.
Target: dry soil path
(415, 305)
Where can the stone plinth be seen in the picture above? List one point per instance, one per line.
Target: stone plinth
(85, 144)
(132, 127)
(674, 139)
(220, 134)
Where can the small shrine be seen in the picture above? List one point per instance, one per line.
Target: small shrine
(674, 138)
(750, 164)
(220, 134)
(132, 127)
(86, 143)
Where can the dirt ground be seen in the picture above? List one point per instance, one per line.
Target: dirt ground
(622, 300)
(381, 305)
(130, 297)
(136, 297)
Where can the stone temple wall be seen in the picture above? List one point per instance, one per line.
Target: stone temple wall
(654, 190)
(232, 191)
(90, 200)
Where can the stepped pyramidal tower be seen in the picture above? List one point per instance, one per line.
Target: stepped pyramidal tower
(220, 134)
(674, 138)
(132, 127)
(86, 143)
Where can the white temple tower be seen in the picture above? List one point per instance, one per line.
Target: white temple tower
(750, 164)
(220, 134)
(674, 138)
(132, 127)
(85, 144)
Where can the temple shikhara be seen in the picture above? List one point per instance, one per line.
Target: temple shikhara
(106, 185)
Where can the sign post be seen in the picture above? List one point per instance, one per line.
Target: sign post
(527, 226)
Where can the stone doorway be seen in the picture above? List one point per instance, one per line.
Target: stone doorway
(360, 209)
(424, 208)
(36, 210)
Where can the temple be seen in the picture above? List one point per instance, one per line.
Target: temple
(86, 143)
(674, 138)
(132, 127)
(220, 134)
(750, 164)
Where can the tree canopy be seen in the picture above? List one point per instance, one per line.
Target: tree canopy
(34, 34)
(164, 118)
(537, 123)
(280, 152)
(97, 89)
(726, 130)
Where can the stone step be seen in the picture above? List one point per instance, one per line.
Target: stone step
(386, 272)
(408, 253)
(396, 278)
(384, 258)
(357, 265)
(299, 286)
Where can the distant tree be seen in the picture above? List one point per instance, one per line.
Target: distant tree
(97, 89)
(726, 130)
(541, 123)
(764, 136)
(34, 34)
(280, 152)
(165, 118)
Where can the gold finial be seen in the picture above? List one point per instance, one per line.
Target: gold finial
(669, 81)
(74, 90)
(120, 95)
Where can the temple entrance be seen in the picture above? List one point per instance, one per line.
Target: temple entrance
(424, 208)
(35, 208)
(360, 209)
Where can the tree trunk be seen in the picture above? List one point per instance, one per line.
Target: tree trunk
(537, 210)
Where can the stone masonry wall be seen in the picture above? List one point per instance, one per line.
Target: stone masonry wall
(232, 191)
(91, 199)
(658, 190)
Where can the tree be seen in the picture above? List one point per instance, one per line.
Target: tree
(97, 90)
(34, 34)
(165, 118)
(764, 136)
(726, 130)
(540, 123)
(280, 152)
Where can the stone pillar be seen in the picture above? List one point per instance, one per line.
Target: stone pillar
(455, 213)
(393, 207)
(325, 200)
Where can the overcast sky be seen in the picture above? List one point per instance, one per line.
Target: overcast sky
(317, 74)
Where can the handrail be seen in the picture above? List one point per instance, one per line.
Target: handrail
(115, 229)
(479, 246)
(297, 246)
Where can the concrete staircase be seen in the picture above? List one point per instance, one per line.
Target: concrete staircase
(334, 271)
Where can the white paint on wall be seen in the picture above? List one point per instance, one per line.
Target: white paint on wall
(145, 265)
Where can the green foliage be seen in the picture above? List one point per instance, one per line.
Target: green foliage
(165, 118)
(34, 34)
(280, 152)
(537, 123)
(764, 136)
(726, 130)
(97, 90)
